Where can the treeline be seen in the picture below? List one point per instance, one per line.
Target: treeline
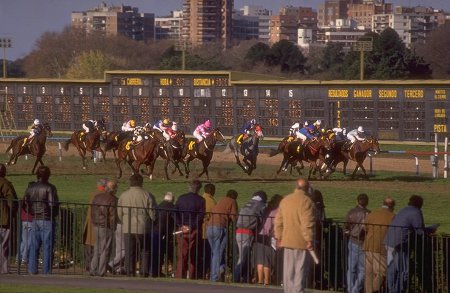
(75, 54)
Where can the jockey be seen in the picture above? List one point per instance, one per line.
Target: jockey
(305, 132)
(202, 130)
(315, 128)
(35, 129)
(249, 126)
(294, 129)
(129, 125)
(356, 134)
(163, 126)
(341, 133)
(89, 125)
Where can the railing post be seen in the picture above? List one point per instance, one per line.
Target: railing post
(446, 158)
(60, 151)
(417, 164)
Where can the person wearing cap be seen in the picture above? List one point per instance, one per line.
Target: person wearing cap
(202, 130)
(89, 125)
(354, 230)
(164, 125)
(355, 135)
(88, 233)
(248, 223)
(341, 133)
(376, 226)
(305, 132)
(35, 129)
(293, 131)
(314, 129)
(249, 126)
(129, 125)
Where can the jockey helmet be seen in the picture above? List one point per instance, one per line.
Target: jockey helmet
(132, 123)
(36, 122)
(296, 125)
(253, 121)
(207, 124)
(360, 129)
(166, 122)
(147, 125)
(174, 126)
(305, 123)
(317, 123)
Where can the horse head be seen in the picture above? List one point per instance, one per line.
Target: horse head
(373, 144)
(259, 131)
(154, 133)
(47, 130)
(217, 135)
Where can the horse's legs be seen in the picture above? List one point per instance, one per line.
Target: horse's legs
(38, 160)
(205, 168)
(188, 160)
(166, 164)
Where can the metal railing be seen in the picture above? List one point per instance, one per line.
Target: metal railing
(164, 251)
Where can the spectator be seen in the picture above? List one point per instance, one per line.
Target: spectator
(135, 211)
(376, 227)
(205, 248)
(88, 233)
(248, 223)
(104, 219)
(8, 210)
(354, 229)
(223, 214)
(294, 230)
(165, 226)
(265, 246)
(315, 278)
(42, 198)
(117, 264)
(407, 223)
(190, 209)
(25, 239)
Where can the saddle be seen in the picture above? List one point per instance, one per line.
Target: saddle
(241, 138)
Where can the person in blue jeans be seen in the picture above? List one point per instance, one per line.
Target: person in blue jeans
(25, 242)
(223, 214)
(42, 198)
(354, 230)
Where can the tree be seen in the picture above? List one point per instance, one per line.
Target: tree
(257, 53)
(287, 56)
(90, 65)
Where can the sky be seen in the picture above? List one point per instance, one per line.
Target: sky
(24, 21)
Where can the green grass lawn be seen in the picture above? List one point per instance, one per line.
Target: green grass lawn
(75, 184)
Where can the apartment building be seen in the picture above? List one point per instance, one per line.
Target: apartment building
(362, 13)
(263, 15)
(285, 25)
(207, 21)
(114, 20)
(331, 10)
(169, 27)
(343, 31)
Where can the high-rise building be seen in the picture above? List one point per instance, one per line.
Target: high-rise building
(207, 21)
(331, 10)
(285, 25)
(362, 13)
(169, 27)
(262, 14)
(111, 20)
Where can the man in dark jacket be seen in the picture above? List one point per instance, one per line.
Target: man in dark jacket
(104, 220)
(8, 209)
(249, 221)
(190, 212)
(42, 198)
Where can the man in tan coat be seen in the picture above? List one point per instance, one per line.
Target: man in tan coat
(294, 230)
(376, 225)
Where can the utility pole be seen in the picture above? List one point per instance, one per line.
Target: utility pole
(181, 46)
(5, 43)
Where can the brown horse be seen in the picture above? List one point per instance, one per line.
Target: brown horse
(312, 152)
(144, 152)
(113, 140)
(358, 153)
(174, 150)
(35, 147)
(203, 150)
(87, 142)
(248, 148)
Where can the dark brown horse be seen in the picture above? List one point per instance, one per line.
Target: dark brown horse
(313, 152)
(87, 142)
(174, 151)
(35, 147)
(247, 148)
(203, 150)
(113, 140)
(144, 152)
(357, 152)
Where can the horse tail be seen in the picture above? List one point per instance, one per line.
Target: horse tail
(66, 144)
(274, 152)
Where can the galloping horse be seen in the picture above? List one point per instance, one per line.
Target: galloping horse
(358, 153)
(174, 151)
(311, 152)
(203, 150)
(35, 147)
(144, 152)
(113, 139)
(87, 142)
(248, 148)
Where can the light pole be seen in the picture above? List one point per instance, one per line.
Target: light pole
(5, 43)
(364, 44)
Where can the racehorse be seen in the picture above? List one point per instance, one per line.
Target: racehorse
(312, 151)
(143, 152)
(358, 153)
(87, 142)
(35, 147)
(113, 139)
(174, 151)
(248, 148)
(203, 150)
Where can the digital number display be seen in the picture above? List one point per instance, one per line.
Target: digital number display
(179, 81)
(221, 81)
